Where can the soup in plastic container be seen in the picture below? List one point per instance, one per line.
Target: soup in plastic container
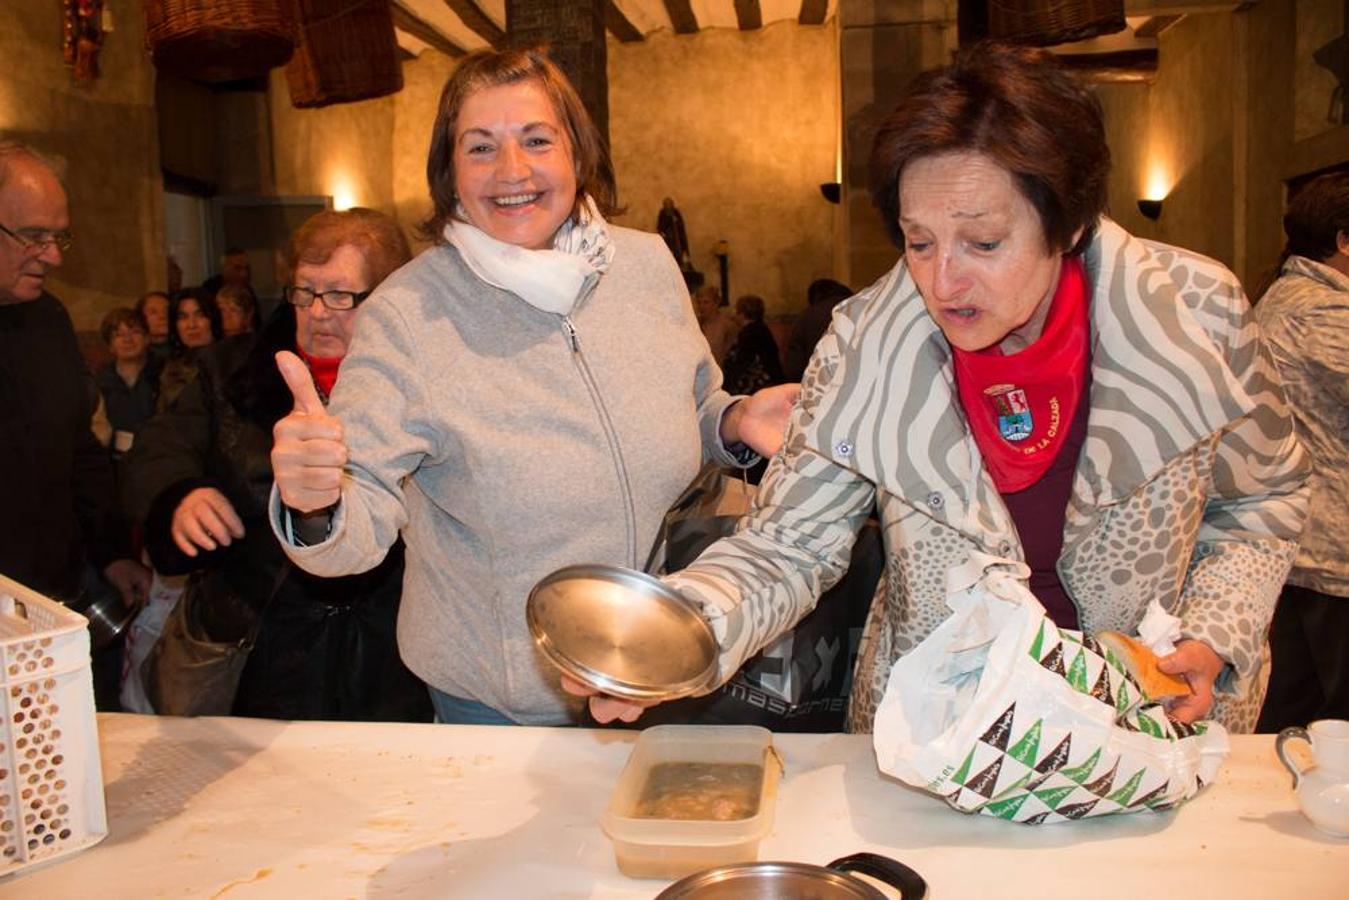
(692, 797)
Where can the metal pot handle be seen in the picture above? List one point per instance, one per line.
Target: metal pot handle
(910, 884)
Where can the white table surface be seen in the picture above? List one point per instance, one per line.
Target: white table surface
(236, 808)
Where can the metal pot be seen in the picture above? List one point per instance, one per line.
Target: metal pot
(773, 880)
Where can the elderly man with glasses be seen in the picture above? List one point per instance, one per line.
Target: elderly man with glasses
(58, 531)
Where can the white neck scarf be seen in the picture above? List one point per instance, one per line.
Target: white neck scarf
(551, 280)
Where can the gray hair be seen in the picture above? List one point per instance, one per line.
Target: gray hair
(11, 149)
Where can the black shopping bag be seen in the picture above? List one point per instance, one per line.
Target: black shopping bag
(801, 681)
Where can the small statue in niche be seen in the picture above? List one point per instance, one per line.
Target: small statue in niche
(670, 224)
(82, 27)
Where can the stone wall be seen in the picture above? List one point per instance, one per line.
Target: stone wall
(1213, 132)
(1187, 141)
(344, 150)
(414, 114)
(105, 130)
(740, 129)
(883, 49)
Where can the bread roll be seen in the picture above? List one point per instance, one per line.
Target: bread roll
(1140, 662)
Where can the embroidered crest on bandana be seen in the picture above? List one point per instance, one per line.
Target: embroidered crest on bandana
(1014, 416)
(1018, 406)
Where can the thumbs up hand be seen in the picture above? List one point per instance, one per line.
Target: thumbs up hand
(307, 450)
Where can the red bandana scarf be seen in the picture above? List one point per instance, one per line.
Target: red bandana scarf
(324, 370)
(1019, 407)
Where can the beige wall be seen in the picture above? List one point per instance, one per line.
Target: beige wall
(1126, 106)
(1175, 138)
(1266, 161)
(879, 59)
(344, 150)
(105, 129)
(1219, 131)
(1318, 23)
(371, 153)
(414, 114)
(740, 128)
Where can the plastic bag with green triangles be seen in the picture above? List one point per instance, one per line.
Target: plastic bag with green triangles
(1001, 712)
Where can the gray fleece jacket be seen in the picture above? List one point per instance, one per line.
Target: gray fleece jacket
(504, 443)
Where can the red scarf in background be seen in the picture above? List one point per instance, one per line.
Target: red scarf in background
(1019, 407)
(324, 370)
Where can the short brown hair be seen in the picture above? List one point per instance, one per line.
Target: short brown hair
(1017, 106)
(751, 306)
(490, 68)
(238, 295)
(115, 319)
(1316, 217)
(376, 235)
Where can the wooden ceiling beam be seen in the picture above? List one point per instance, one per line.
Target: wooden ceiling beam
(681, 16)
(619, 25)
(748, 14)
(406, 21)
(478, 22)
(1155, 25)
(1120, 65)
(813, 12)
(1179, 7)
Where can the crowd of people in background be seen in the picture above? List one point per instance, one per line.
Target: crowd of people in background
(352, 531)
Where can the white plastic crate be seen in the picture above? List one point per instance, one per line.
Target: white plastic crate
(51, 783)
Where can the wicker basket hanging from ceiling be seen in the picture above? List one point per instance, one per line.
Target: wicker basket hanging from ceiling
(1047, 22)
(346, 51)
(219, 40)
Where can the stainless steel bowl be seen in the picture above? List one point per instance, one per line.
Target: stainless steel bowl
(622, 632)
(793, 881)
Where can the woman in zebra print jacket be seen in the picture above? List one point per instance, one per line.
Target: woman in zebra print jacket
(1032, 382)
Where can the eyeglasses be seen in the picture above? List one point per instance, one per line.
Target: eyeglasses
(336, 300)
(41, 239)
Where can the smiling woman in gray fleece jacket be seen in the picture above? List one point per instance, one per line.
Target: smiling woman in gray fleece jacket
(530, 393)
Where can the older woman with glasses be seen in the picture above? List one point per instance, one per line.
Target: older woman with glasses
(200, 474)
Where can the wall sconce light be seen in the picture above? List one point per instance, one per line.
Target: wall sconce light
(830, 191)
(1150, 209)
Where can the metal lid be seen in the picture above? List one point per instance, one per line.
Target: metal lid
(768, 881)
(622, 632)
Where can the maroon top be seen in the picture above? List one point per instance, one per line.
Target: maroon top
(1039, 512)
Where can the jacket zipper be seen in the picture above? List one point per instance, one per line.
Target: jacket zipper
(611, 435)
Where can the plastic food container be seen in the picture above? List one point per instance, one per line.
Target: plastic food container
(656, 847)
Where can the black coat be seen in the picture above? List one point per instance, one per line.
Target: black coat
(752, 362)
(128, 407)
(57, 495)
(327, 647)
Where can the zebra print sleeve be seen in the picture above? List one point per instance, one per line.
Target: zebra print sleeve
(758, 583)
